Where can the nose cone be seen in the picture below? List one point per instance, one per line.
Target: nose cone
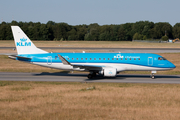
(171, 65)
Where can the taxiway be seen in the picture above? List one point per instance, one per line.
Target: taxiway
(81, 77)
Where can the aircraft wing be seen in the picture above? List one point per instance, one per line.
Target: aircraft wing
(89, 67)
(64, 61)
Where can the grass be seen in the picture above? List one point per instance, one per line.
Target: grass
(11, 51)
(99, 44)
(72, 101)
(20, 88)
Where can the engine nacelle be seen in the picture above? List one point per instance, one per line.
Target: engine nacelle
(110, 72)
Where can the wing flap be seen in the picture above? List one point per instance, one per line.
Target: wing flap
(88, 67)
(94, 66)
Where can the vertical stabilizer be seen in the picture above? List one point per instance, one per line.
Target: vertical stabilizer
(23, 44)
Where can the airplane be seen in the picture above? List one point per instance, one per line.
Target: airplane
(106, 64)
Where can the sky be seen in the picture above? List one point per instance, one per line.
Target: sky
(103, 12)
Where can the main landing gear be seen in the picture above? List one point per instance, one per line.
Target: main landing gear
(91, 75)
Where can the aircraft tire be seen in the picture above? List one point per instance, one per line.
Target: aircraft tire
(152, 76)
(90, 76)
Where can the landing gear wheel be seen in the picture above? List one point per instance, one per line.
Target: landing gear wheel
(90, 76)
(94, 74)
(152, 76)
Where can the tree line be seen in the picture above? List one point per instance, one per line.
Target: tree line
(141, 30)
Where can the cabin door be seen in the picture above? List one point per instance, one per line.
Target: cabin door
(150, 61)
(49, 60)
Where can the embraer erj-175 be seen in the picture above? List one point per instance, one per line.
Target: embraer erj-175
(106, 64)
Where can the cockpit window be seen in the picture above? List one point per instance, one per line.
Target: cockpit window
(161, 58)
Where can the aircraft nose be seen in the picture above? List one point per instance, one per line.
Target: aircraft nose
(171, 65)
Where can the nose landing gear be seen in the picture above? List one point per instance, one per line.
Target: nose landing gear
(152, 74)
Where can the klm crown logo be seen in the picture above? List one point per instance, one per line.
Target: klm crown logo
(23, 42)
(23, 39)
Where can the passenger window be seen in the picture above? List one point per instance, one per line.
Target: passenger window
(112, 58)
(86, 58)
(68, 58)
(94, 58)
(125, 58)
(134, 58)
(81, 58)
(139, 59)
(72, 58)
(99, 58)
(121, 59)
(90, 58)
(129, 58)
(77, 58)
(104, 58)
(108, 58)
(116, 58)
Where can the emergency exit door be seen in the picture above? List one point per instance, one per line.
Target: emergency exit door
(150, 61)
(49, 60)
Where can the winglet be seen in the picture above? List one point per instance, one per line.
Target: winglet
(64, 61)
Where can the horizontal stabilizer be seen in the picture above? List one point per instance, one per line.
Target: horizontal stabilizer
(15, 56)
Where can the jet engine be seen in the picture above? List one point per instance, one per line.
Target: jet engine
(109, 72)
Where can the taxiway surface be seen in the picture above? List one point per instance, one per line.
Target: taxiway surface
(74, 77)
